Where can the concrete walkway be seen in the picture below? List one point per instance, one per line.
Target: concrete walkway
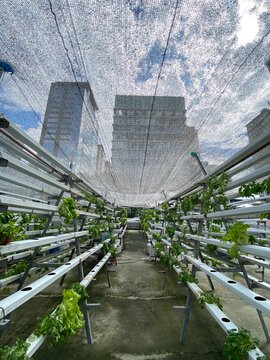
(136, 320)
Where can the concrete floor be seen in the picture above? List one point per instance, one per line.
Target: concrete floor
(136, 320)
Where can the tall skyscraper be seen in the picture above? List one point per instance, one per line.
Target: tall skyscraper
(255, 128)
(70, 128)
(150, 137)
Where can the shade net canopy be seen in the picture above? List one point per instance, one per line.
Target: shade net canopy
(124, 91)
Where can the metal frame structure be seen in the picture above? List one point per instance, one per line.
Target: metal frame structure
(45, 176)
(197, 239)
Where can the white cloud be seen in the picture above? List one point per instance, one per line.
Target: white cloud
(248, 22)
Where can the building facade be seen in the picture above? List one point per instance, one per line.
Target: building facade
(70, 129)
(150, 137)
(255, 128)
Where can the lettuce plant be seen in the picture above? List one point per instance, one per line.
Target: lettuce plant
(64, 321)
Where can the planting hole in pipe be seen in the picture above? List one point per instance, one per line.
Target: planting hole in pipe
(27, 288)
(225, 320)
(213, 270)
(51, 273)
(68, 264)
(259, 298)
(231, 282)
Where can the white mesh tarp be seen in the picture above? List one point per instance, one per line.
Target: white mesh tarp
(168, 77)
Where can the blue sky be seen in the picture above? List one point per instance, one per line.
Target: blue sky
(25, 119)
(118, 47)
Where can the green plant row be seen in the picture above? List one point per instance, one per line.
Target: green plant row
(212, 198)
(11, 228)
(57, 326)
(255, 188)
(99, 203)
(186, 276)
(16, 269)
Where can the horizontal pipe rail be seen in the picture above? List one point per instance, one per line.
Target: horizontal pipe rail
(38, 341)
(219, 316)
(28, 244)
(247, 164)
(251, 297)
(261, 142)
(15, 150)
(250, 249)
(20, 135)
(260, 209)
(7, 160)
(257, 174)
(25, 204)
(24, 197)
(20, 182)
(15, 300)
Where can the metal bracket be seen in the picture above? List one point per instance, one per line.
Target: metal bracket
(4, 323)
(177, 308)
(92, 306)
(3, 208)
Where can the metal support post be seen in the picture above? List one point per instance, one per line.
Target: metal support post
(186, 317)
(29, 266)
(64, 276)
(81, 276)
(208, 277)
(195, 155)
(200, 229)
(88, 330)
(78, 252)
(108, 277)
(190, 227)
(84, 219)
(260, 315)
(189, 299)
(86, 308)
(52, 213)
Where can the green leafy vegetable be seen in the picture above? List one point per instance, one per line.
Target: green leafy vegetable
(209, 298)
(170, 231)
(177, 249)
(159, 247)
(165, 206)
(16, 352)
(64, 321)
(213, 196)
(185, 276)
(237, 235)
(156, 236)
(10, 229)
(15, 269)
(67, 210)
(168, 261)
(80, 290)
(237, 344)
(212, 249)
(109, 248)
(255, 187)
(95, 229)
